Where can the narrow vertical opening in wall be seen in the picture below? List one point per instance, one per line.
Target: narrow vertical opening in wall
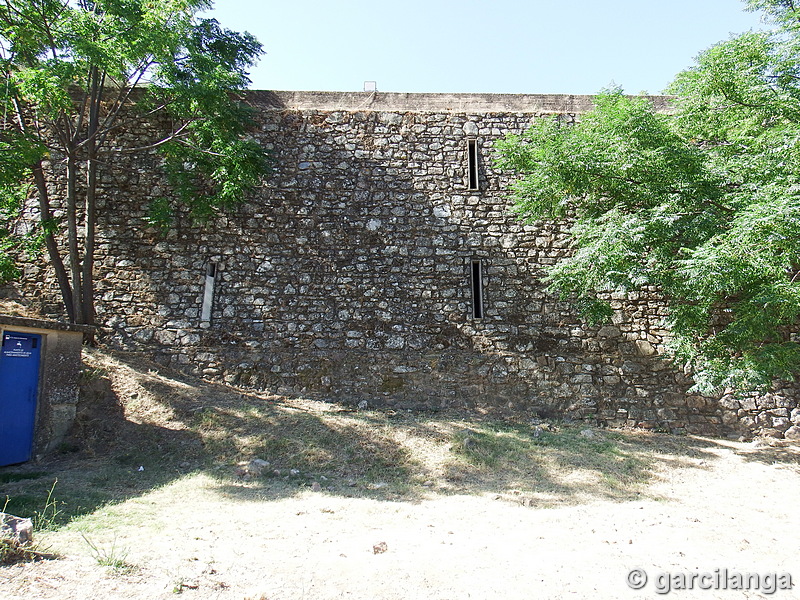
(208, 294)
(472, 164)
(476, 272)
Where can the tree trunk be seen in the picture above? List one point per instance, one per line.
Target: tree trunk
(90, 219)
(53, 252)
(72, 235)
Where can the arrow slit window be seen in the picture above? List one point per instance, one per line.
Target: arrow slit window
(476, 273)
(473, 182)
(208, 294)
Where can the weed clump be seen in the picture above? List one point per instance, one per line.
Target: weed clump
(16, 533)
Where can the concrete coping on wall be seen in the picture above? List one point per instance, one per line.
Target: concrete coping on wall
(420, 102)
(31, 323)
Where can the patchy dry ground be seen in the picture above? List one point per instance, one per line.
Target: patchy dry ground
(163, 497)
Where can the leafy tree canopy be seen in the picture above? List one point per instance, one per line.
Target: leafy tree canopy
(703, 203)
(74, 76)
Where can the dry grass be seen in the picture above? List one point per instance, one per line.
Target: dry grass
(166, 472)
(147, 426)
(143, 427)
(16, 309)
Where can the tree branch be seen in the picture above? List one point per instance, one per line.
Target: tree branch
(175, 135)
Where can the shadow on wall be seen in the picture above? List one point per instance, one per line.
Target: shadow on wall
(366, 268)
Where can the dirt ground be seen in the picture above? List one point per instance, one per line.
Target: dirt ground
(736, 508)
(470, 530)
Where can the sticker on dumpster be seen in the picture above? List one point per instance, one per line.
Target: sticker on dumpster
(17, 346)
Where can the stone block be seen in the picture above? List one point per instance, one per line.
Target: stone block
(792, 434)
(609, 331)
(644, 348)
(16, 530)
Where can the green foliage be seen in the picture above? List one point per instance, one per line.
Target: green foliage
(75, 76)
(703, 203)
(16, 240)
(160, 214)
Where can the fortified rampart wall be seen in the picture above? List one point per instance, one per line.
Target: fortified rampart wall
(380, 262)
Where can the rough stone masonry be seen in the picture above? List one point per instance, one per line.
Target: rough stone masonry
(380, 262)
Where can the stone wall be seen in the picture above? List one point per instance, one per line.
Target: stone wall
(349, 275)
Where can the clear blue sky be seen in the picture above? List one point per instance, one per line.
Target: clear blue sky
(498, 46)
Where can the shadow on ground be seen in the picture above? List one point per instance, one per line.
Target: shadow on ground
(141, 426)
